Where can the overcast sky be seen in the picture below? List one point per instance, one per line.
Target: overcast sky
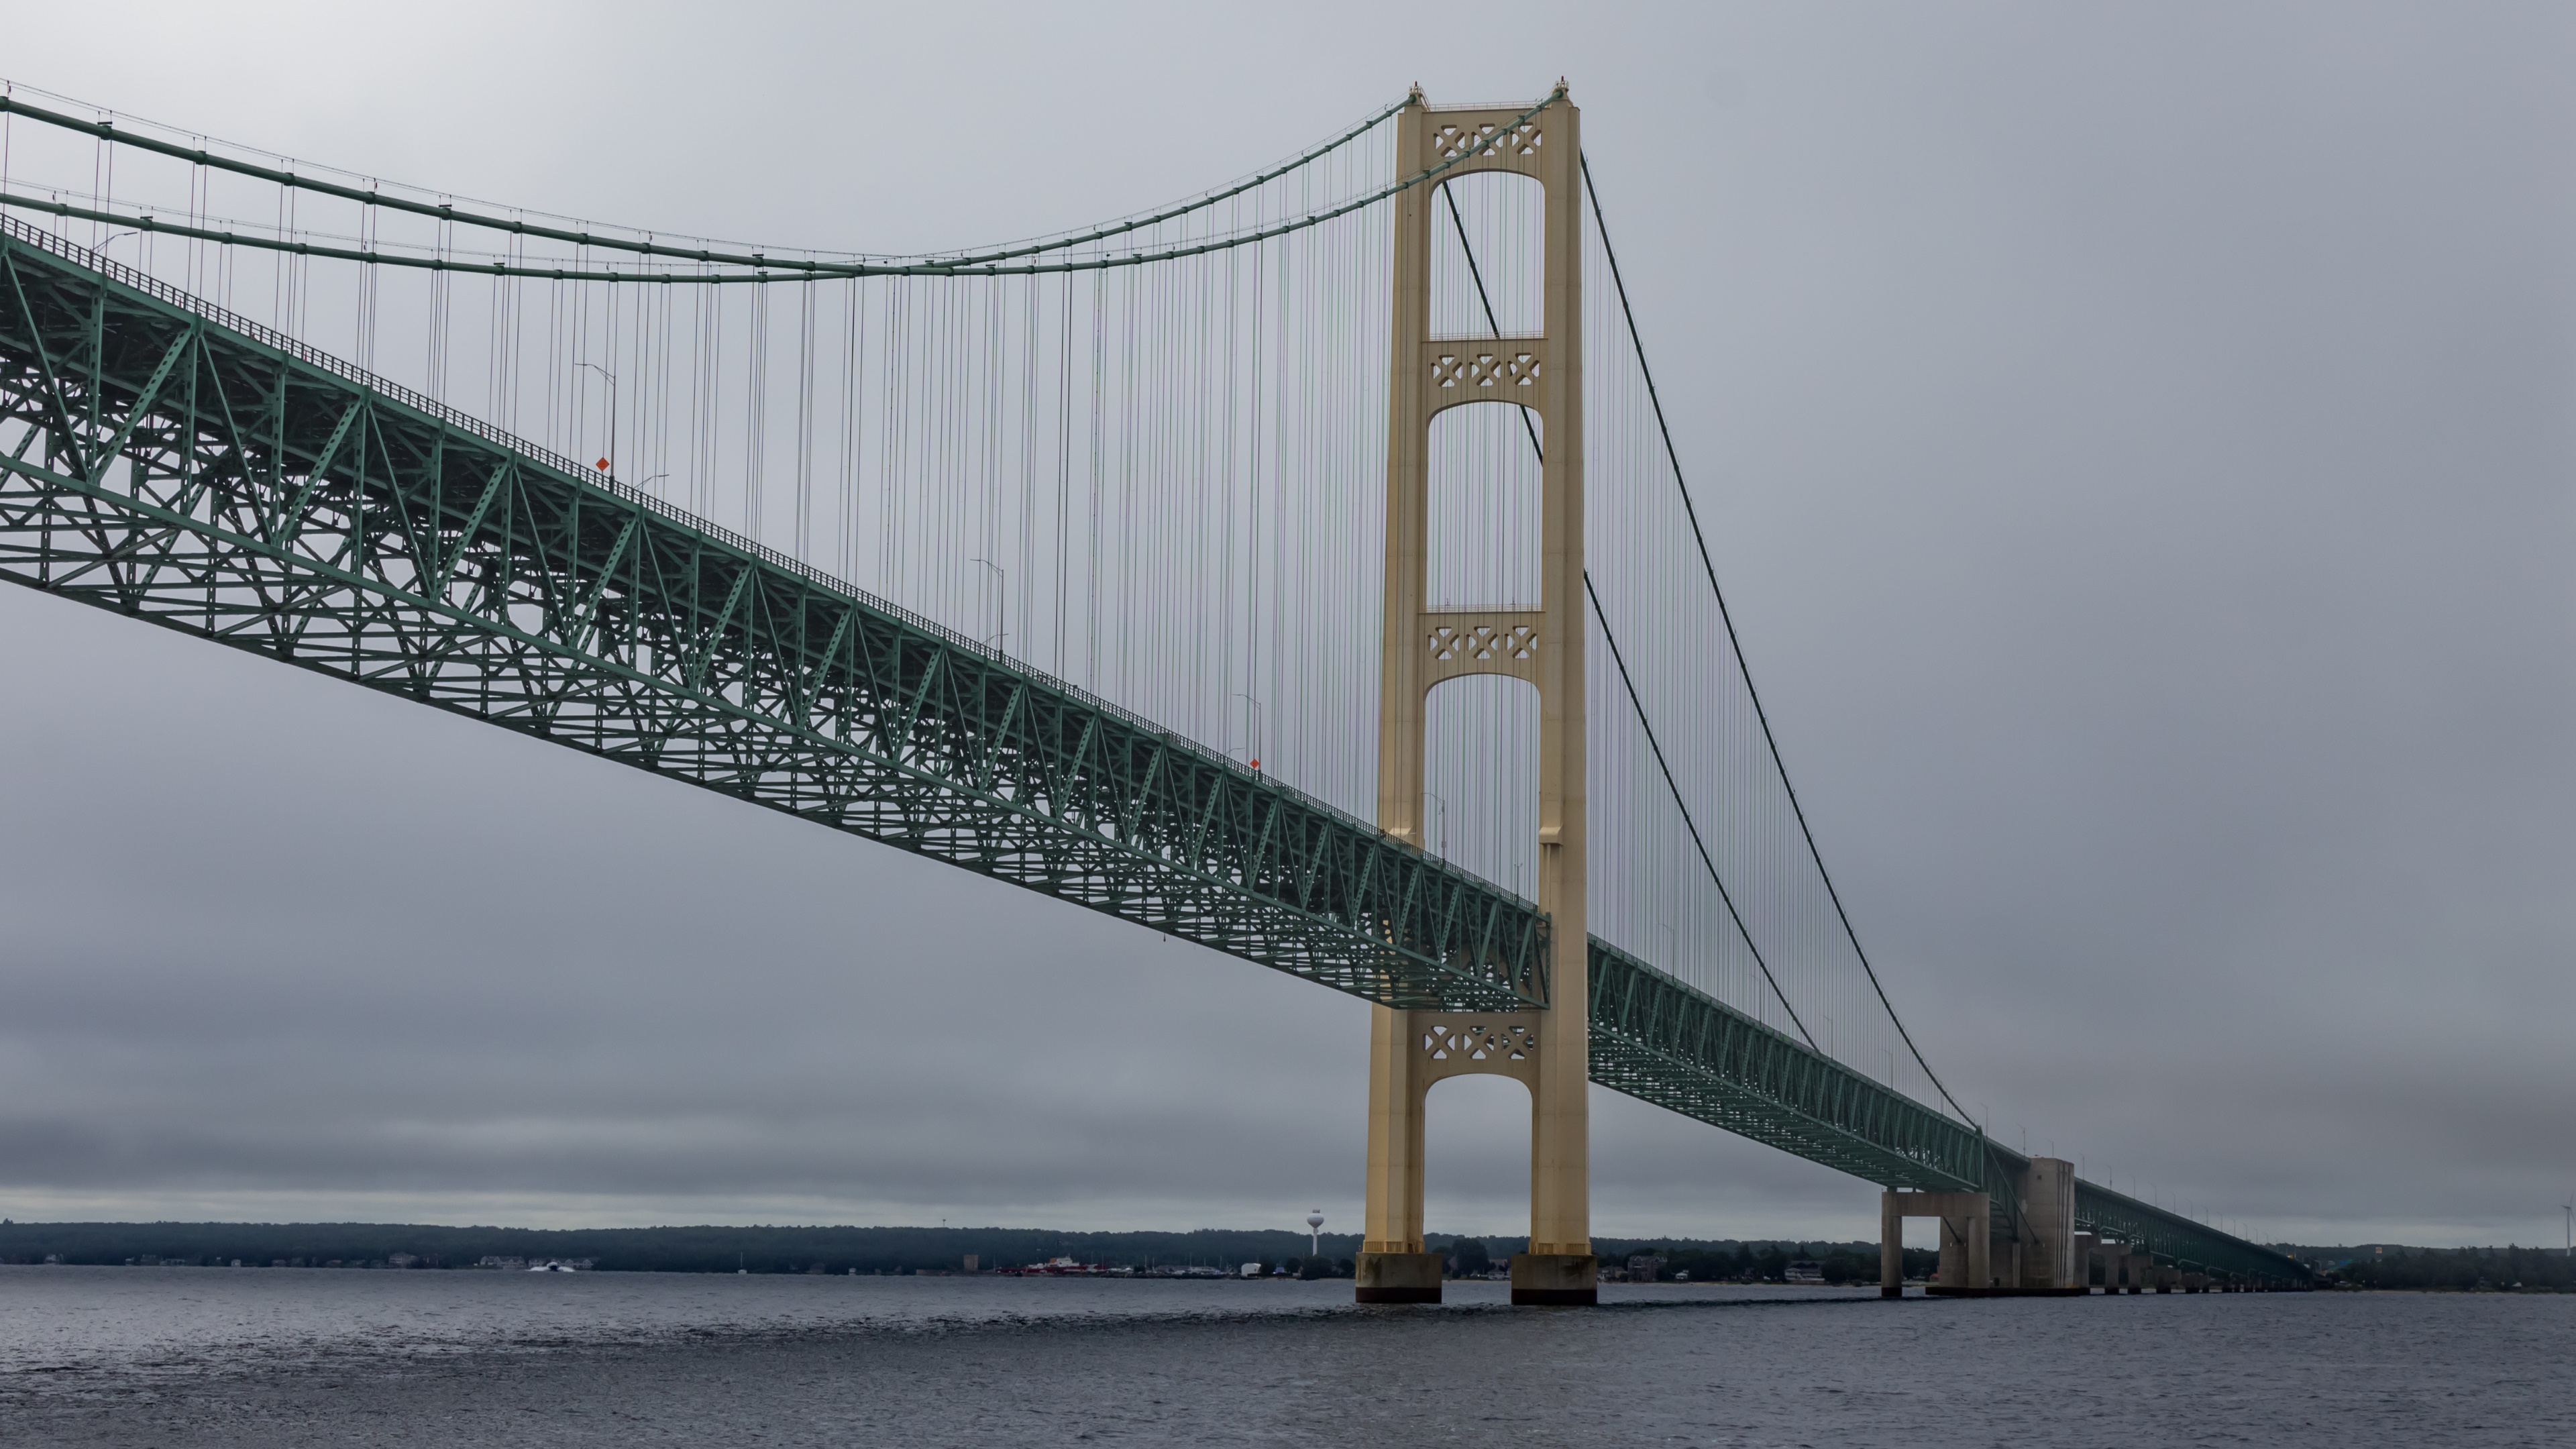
(2139, 443)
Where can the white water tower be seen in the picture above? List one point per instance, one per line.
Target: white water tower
(1315, 1231)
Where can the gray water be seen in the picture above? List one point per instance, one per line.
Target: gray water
(210, 1356)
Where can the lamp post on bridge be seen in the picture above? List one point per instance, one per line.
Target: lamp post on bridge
(1001, 603)
(1252, 736)
(608, 464)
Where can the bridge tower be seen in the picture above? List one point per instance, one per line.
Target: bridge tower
(1546, 1050)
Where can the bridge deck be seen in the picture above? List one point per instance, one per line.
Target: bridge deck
(166, 460)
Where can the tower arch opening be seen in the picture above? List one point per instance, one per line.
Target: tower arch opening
(1476, 1155)
(1504, 221)
(1480, 777)
(1483, 528)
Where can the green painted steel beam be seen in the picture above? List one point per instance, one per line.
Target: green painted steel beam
(2179, 1241)
(1658, 1039)
(194, 470)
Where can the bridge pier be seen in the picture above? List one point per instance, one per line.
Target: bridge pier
(2122, 1269)
(2036, 1256)
(1891, 1246)
(2045, 1260)
(1423, 646)
(1967, 1240)
(1967, 1245)
(1392, 1266)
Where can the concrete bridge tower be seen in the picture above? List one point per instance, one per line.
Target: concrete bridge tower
(1546, 1050)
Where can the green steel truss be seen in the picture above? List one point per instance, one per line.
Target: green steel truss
(2179, 1241)
(170, 462)
(1660, 1040)
(167, 460)
(1656, 1038)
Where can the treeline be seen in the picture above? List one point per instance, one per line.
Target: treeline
(2386, 1265)
(718, 1249)
(1763, 1262)
(710, 1249)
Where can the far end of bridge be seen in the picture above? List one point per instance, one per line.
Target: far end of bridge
(2033, 1248)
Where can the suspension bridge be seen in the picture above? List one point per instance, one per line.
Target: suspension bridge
(1050, 560)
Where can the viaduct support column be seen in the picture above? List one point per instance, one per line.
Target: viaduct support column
(1891, 1246)
(2046, 1233)
(1392, 1267)
(1967, 1232)
(1967, 1247)
(1424, 646)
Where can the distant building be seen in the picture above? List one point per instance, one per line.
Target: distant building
(1805, 1270)
(1645, 1267)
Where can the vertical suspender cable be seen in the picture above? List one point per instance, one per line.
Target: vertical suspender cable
(1633, 700)
(1745, 670)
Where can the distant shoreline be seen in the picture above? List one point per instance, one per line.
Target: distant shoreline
(905, 1250)
(832, 1250)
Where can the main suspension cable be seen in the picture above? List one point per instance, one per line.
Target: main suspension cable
(1735, 645)
(374, 196)
(764, 268)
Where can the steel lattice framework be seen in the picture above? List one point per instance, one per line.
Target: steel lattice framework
(167, 460)
(195, 470)
(1658, 1039)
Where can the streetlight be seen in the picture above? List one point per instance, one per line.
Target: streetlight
(608, 464)
(1002, 605)
(1441, 849)
(1252, 750)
